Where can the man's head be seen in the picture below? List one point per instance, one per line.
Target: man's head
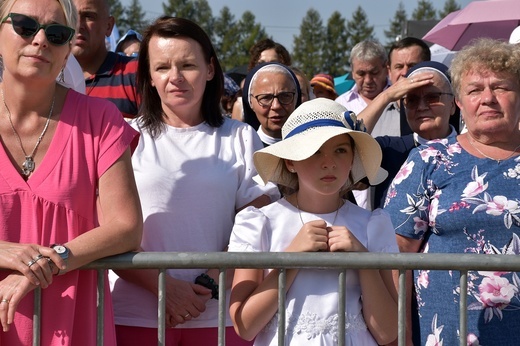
(95, 24)
(368, 62)
(404, 54)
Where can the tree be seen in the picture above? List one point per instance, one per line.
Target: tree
(397, 26)
(135, 16)
(309, 44)
(449, 6)
(334, 56)
(424, 11)
(117, 11)
(358, 29)
(250, 32)
(197, 11)
(227, 36)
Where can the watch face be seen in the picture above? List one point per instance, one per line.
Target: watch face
(60, 249)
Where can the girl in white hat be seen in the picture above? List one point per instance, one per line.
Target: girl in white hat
(322, 155)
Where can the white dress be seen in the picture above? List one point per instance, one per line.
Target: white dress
(190, 181)
(312, 300)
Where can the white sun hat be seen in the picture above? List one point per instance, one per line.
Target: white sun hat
(306, 130)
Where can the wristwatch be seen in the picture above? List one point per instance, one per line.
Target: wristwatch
(61, 250)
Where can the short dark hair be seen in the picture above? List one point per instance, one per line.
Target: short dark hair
(407, 42)
(265, 44)
(151, 110)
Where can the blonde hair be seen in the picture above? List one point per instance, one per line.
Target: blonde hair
(68, 7)
(485, 54)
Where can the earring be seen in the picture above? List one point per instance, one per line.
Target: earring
(61, 77)
(292, 170)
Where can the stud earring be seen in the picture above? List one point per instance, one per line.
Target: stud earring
(292, 170)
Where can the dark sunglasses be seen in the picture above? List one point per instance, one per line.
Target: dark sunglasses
(25, 26)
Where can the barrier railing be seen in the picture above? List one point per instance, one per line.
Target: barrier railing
(222, 261)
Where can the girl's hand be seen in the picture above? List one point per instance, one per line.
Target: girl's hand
(12, 290)
(312, 237)
(341, 239)
(31, 260)
(184, 301)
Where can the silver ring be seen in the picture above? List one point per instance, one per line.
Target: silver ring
(5, 301)
(36, 259)
(412, 80)
(187, 315)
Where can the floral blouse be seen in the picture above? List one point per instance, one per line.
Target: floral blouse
(457, 203)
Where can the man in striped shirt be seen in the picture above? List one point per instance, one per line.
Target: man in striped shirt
(107, 74)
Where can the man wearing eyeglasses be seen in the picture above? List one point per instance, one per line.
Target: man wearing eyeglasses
(107, 74)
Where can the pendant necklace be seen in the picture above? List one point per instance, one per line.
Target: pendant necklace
(340, 204)
(28, 165)
(492, 158)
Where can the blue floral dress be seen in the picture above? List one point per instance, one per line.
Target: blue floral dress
(458, 203)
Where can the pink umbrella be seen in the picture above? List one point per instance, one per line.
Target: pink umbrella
(492, 18)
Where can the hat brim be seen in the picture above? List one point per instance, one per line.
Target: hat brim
(367, 158)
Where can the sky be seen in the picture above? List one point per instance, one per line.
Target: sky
(282, 18)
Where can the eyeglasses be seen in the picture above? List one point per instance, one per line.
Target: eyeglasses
(430, 99)
(285, 98)
(25, 26)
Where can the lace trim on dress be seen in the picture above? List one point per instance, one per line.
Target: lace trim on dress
(312, 325)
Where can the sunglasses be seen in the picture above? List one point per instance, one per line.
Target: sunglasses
(431, 99)
(25, 26)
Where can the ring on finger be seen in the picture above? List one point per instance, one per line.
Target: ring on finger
(36, 259)
(5, 301)
(187, 315)
(412, 80)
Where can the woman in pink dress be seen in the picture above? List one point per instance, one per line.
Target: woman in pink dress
(67, 190)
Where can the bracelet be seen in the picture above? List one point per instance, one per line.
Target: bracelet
(206, 281)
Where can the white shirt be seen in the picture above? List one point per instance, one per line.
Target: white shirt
(312, 299)
(190, 181)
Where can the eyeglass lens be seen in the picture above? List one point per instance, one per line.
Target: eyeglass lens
(25, 26)
(284, 98)
(413, 101)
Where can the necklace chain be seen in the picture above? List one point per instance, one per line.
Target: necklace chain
(28, 165)
(492, 158)
(335, 216)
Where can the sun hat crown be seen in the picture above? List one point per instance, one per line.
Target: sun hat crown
(306, 130)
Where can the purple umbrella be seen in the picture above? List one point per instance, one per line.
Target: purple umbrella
(492, 18)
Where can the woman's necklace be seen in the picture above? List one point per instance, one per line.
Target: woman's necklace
(28, 165)
(492, 158)
(340, 204)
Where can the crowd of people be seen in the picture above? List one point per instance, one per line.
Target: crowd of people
(160, 150)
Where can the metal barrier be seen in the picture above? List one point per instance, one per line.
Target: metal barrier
(181, 260)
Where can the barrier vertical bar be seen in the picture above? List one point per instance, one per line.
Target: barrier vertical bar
(161, 313)
(401, 309)
(222, 308)
(37, 313)
(463, 307)
(100, 311)
(341, 307)
(281, 306)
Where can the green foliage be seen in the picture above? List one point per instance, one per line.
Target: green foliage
(358, 29)
(308, 46)
(135, 17)
(424, 11)
(197, 11)
(334, 57)
(397, 26)
(117, 11)
(449, 6)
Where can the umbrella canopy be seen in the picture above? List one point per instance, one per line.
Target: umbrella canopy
(441, 54)
(492, 18)
(344, 83)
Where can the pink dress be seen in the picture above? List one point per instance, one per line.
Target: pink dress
(57, 204)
